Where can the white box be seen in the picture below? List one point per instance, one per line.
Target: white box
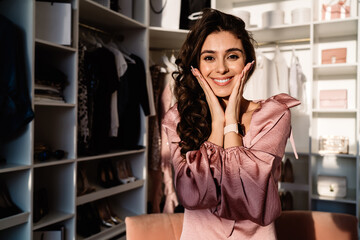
(332, 186)
(300, 15)
(53, 22)
(273, 18)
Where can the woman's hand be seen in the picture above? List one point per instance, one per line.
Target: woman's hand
(217, 112)
(232, 112)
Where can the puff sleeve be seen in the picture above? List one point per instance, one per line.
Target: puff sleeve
(197, 177)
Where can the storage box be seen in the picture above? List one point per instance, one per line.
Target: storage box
(331, 186)
(336, 98)
(331, 56)
(333, 145)
(273, 18)
(300, 15)
(53, 22)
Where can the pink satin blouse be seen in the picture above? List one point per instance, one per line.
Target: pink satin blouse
(232, 193)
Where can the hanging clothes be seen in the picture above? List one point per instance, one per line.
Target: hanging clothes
(282, 72)
(297, 82)
(15, 104)
(132, 94)
(103, 81)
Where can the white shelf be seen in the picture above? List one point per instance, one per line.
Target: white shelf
(294, 186)
(96, 15)
(53, 46)
(101, 193)
(15, 220)
(335, 69)
(282, 33)
(54, 104)
(334, 110)
(51, 218)
(350, 198)
(12, 167)
(110, 155)
(161, 38)
(349, 156)
(344, 27)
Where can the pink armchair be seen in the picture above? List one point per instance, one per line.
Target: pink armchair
(309, 225)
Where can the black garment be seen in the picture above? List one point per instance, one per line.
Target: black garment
(189, 7)
(15, 104)
(132, 93)
(102, 82)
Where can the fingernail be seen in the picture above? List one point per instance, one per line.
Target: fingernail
(192, 68)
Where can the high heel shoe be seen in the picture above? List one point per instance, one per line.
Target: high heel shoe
(83, 186)
(122, 172)
(107, 176)
(129, 172)
(87, 221)
(113, 215)
(104, 214)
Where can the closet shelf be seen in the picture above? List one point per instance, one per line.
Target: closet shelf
(111, 155)
(294, 186)
(349, 156)
(335, 69)
(14, 220)
(11, 167)
(54, 104)
(344, 27)
(53, 46)
(48, 163)
(101, 193)
(334, 110)
(350, 197)
(282, 33)
(96, 15)
(51, 218)
(161, 38)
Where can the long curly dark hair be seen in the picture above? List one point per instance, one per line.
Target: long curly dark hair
(195, 123)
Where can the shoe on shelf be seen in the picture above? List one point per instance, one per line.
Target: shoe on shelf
(113, 215)
(83, 185)
(107, 175)
(129, 171)
(122, 172)
(288, 171)
(104, 214)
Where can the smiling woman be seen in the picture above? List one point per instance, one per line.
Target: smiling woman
(226, 150)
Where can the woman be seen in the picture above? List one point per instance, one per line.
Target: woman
(226, 173)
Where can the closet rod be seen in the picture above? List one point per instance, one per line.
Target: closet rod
(300, 40)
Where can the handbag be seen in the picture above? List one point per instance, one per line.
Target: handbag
(338, 10)
(331, 186)
(165, 13)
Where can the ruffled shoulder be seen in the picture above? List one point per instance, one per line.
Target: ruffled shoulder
(286, 99)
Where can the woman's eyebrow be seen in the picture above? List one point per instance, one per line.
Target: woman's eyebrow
(234, 49)
(228, 50)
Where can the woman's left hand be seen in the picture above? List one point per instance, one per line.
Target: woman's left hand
(232, 112)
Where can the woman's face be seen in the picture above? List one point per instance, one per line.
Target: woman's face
(222, 58)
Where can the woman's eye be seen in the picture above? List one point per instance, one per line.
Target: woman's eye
(208, 58)
(233, 56)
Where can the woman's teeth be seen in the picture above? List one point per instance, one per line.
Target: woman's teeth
(222, 81)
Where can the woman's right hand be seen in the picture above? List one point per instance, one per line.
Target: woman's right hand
(217, 112)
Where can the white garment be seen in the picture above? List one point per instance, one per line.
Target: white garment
(263, 82)
(297, 81)
(282, 72)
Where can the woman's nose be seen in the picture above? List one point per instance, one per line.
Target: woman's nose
(222, 67)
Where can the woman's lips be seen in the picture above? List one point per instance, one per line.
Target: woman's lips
(222, 82)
